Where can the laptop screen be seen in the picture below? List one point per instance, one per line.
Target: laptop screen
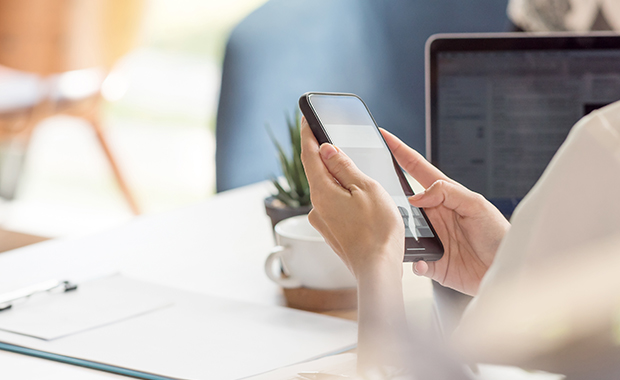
(499, 115)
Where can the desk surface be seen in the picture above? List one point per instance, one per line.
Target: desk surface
(216, 247)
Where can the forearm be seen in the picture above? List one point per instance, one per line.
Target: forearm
(383, 332)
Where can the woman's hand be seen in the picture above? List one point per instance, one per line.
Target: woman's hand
(355, 215)
(360, 221)
(469, 226)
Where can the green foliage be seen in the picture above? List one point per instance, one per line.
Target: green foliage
(296, 192)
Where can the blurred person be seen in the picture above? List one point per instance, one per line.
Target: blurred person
(533, 266)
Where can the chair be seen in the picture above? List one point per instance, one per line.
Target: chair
(56, 55)
(372, 48)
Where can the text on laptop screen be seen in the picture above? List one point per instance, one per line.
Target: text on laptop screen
(502, 115)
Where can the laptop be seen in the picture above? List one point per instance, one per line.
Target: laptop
(500, 105)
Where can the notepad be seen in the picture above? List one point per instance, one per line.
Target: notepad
(95, 304)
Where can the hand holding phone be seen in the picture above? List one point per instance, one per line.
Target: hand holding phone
(344, 121)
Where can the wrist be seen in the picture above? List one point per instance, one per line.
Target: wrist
(381, 268)
(381, 313)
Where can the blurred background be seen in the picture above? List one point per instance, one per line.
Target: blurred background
(158, 115)
(111, 108)
(108, 108)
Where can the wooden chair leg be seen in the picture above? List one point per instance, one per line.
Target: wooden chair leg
(96, 123)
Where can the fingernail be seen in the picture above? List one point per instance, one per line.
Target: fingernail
(415, 270)
(328, 151)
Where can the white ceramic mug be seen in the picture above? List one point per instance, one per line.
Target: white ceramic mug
(305, 258)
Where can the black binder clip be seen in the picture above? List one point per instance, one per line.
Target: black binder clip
(7, 300)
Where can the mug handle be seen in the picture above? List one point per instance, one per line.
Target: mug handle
(285, 282)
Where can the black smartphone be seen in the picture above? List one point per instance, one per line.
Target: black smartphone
(345, 121)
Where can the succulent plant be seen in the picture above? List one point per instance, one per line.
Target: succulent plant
(295, 192)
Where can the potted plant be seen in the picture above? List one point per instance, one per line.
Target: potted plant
(293, 193)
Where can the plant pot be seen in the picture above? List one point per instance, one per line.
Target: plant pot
(277, 211)
(321, 300)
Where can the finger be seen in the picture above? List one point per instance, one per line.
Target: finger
(413, 162)
(422, 268)
(450, 195)
(342, 167)
(319, 178)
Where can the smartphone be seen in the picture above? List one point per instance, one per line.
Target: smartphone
(345, 121)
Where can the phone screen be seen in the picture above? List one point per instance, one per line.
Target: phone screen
(350, 127)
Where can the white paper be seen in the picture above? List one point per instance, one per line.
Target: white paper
(94, 304)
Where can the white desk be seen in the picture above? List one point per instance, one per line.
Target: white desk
(216, 247)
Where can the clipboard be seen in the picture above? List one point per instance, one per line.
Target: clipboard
(44, 314)
(184, 335)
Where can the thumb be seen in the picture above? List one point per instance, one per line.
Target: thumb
(341, 166)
